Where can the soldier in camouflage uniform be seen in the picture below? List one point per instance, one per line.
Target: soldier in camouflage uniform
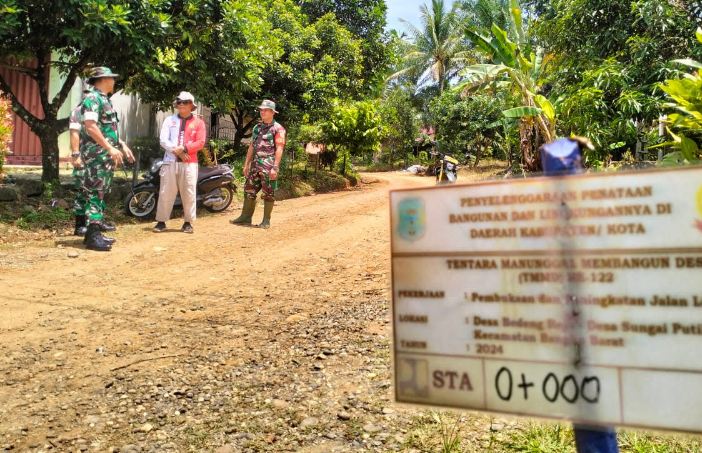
(80, 202)
(74, 127)
(99, 152)
(262, 165)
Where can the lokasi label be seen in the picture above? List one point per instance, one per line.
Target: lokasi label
(576, 297)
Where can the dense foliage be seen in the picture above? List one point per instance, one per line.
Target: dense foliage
(493, 77)
(609, 58)
(561, 67)
(685, 121)
(229, 53)
(127, 35)
(469, 125)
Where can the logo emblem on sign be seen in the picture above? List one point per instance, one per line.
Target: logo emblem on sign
(412, 378)
(698, 222)
(412, 219)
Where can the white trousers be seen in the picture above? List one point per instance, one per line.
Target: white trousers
(177, 177)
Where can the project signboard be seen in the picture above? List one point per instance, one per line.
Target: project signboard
(574, 297)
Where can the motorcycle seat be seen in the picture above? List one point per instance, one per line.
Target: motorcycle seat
(206, 172)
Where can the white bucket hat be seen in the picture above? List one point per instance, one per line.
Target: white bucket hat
(185, 96)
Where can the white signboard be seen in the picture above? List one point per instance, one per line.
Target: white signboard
(577, 297)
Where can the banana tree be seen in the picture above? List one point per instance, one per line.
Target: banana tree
(515, 67)
(686, 96)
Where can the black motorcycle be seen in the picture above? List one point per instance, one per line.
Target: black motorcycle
(215, 190)
(445, 168)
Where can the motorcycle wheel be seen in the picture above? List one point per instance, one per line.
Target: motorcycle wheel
(142, 203)
(227, 195)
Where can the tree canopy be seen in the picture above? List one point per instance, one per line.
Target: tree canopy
(123, 34)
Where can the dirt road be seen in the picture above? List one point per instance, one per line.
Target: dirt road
(237, 339)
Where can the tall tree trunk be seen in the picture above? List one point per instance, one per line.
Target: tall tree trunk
(238, 137)
(527, 144)
(242, 127)
(478, 153)
(48, 136)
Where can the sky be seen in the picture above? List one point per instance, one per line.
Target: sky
(403, 9)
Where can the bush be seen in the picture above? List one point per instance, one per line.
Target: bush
(45, 218)
(344, 167)
(225, 151)
(204, 158)
(146, 149)
(6, 127)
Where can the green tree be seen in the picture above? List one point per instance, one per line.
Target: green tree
(517, 67)
(685, 96)
(609, 58)
(401, 123)
(354, 127)
(320, 61)
(222, 50)
(437, 50)
(365, 19)
(123, 34)
(481, 14)
(468, 124)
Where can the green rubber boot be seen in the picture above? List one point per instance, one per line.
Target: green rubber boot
(246, 212)
(267, 209)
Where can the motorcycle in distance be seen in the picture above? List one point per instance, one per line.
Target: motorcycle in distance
(215, 191)
(445, 167)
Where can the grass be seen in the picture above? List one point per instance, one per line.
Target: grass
(453, 432)
(638, 442)
(558, 438)
(304, 182)
(44, 218)
(439, 432)
(538, 438)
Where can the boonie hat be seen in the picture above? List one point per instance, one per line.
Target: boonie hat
(185, 96)
(101, 72)
(268, 104)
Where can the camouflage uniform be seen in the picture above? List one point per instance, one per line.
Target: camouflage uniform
(264, 138)
(80, 201)
(97, 163)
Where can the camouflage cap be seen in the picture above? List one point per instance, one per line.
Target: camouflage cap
(267, 104)
(101, 72)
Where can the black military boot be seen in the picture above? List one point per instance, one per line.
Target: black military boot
(94, 240)
(107, 239)
(107, 227)
(80, 228)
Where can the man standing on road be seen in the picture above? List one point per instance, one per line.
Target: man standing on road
(74, 128)
(182, 136)
(75, 125)
(99, 152)
(262, 165)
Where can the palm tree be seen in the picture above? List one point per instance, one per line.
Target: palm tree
(437, 51)
(481, 14)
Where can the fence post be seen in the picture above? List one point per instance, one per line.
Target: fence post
(563, 157)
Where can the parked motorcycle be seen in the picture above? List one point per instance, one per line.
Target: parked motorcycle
(215, 190)
(445, 168)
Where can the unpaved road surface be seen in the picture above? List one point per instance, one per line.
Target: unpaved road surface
(231, 339)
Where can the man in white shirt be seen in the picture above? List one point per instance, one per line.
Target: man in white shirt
(182, 136)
